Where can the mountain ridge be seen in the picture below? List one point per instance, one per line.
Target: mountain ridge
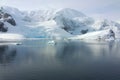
(56, 23)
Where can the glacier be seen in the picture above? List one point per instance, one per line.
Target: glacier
(56, 24)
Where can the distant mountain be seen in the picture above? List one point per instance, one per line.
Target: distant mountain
(102, 30)
(61, 23)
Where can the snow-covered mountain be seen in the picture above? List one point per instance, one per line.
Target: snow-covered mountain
(70, 20)
(101, 31)
(61, 23)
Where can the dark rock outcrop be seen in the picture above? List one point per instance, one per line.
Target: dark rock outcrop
(84, 31)
(6, 15)
(2, 28)
(1, 24)
(8, 18)
(111, 33)
(11, 21)
(0, 16)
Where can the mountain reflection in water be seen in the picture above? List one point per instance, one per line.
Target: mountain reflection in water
(6, 54)
(71, 60)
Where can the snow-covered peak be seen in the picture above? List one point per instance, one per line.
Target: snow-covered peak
(70, 13)
(49, 14)
(41, 15)
(103, 24)
(11, 10)
(14, 12)
(67, 19)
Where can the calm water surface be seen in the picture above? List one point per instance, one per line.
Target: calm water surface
(66, 60)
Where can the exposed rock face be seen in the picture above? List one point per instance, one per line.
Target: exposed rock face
(84, 31)
(0, 16)
(1, 24)
(5, 17)
(2, 28)
(111, 33)
(11, 21)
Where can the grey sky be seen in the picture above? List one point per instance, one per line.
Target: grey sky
(96, 8)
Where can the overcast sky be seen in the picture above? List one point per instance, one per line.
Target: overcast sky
(95, 8)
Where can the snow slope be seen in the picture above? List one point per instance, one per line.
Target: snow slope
(10, 37)
(101, 31)
(96, 35)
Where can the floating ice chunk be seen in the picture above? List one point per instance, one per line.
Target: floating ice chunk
(52, 42)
